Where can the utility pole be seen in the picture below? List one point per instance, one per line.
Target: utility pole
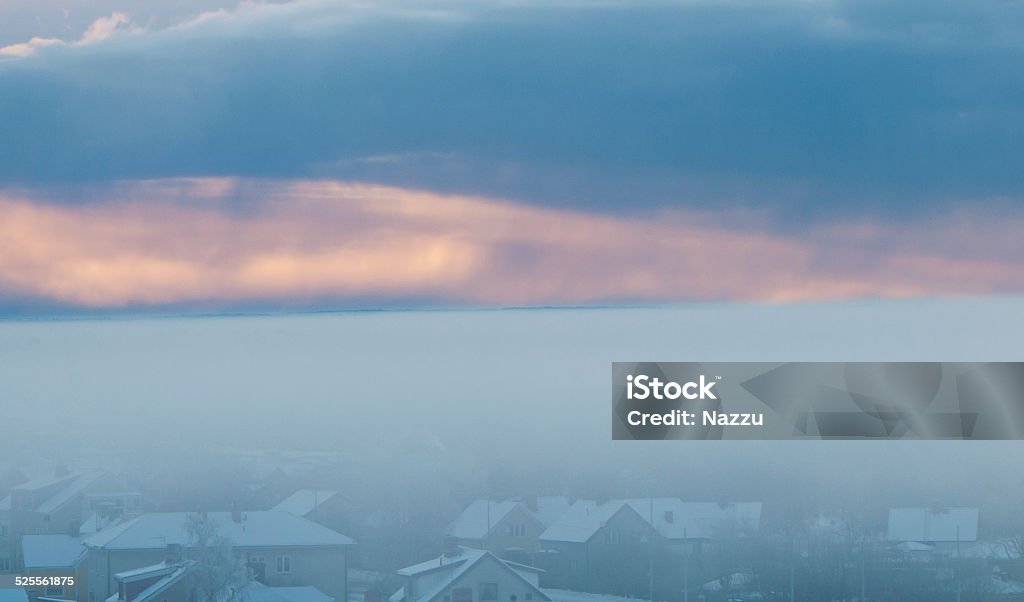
(686, 569)
(863, 570)
(650, 556)
(959, 588)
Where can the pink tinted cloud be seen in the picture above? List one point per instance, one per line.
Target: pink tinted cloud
(230, 241)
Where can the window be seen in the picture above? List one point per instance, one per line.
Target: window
(55, 591)
(4, 531)
(462, 594)
(574, 567)
(517, 530)
(284, 564)
(529, 595)
(92, 597)
(5, 564)
(488, 592)
(613, 537)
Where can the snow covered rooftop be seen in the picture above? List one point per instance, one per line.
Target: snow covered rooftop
(456, 566)
(304, 501)
(676, 519)
(51, 551)
(933, 524)
(581, 521)
(671, 517)
(549, 508)
(268, 528)
(479, 518)
(169, 573)
(74, 487)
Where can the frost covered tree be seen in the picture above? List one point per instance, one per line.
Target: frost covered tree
(218, 575)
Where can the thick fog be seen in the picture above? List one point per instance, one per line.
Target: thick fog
(507, 400)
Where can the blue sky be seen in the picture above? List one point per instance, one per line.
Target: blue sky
(783, 119)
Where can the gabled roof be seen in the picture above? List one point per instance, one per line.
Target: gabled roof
(458, 566)
(477, 520)
(159, 569)
(168, 574)
(257, 592)
(933, 524)
(481, 516)
(304, 501)
(74, 488)
(584, 519)
(51, 551)
(256, 529)
(676, 519)
(548, 508)
(46, 481)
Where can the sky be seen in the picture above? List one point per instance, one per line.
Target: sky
(213, 155)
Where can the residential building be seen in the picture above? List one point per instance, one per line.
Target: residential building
(510, 529)
(690, 527)
(172, 581)
(594, 546)
(55, 555)
(60, 504)
(469, 575)
(280, 548)
(939, 530)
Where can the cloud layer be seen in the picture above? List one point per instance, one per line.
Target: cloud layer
(236, 242)
(816, 108)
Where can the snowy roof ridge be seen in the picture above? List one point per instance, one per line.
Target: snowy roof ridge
(262, 528)
(304, 501)
(51, 550)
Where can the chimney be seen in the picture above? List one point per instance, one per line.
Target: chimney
(236, 513)
(451, 547)
(172, 554)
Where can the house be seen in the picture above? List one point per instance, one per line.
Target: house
(469, 575)
(941, 529)
(328, 508)
(280, 548)
(58, 504)
(55, 555)
(307, 502)
(689, 527)
(510, 529)
(173, 581)
(164, 581)
(605, 547)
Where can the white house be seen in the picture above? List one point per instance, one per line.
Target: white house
(469, 575)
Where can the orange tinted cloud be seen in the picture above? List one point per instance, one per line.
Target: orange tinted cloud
(230, 241)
